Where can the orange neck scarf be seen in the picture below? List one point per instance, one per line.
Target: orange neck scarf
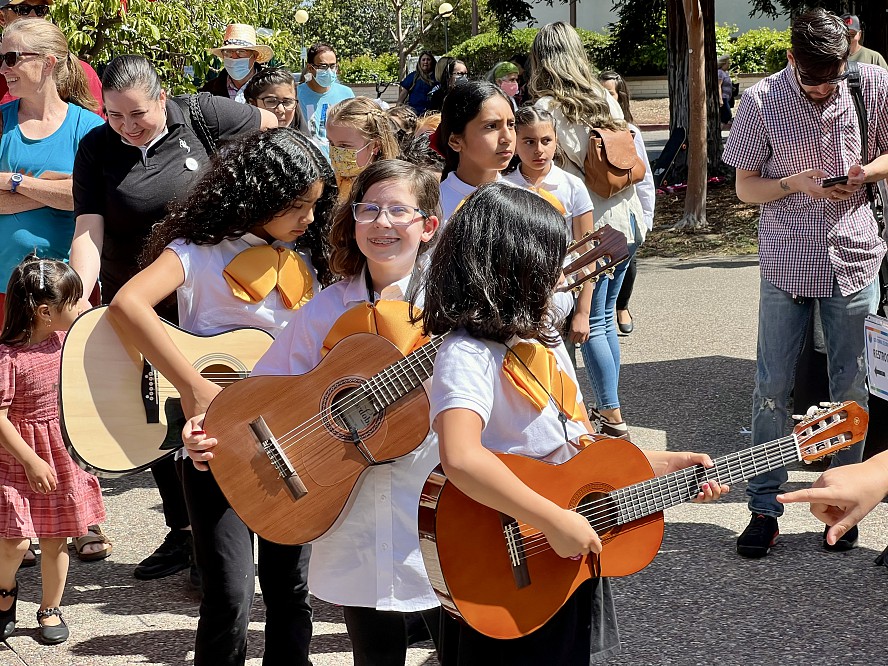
(533, 370)
(256, 271)
(390, 319)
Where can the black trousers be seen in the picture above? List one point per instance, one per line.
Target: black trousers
(628, 283)
(167, 476)
(223, 548)
(380, 638)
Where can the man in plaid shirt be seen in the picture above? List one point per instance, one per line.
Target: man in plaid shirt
(816, 243)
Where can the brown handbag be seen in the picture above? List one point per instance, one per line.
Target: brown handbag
(612, 163)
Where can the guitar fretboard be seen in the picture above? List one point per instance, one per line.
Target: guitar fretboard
(397, 380)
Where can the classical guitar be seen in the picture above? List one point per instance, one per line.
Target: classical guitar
(291, 449)
(502, 577)
(118, 414)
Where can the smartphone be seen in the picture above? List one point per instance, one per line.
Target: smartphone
(838, 180)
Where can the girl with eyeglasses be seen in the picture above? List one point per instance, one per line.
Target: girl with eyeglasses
(274, 90)
(369, 563)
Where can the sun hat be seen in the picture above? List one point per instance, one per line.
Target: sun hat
(242, 36)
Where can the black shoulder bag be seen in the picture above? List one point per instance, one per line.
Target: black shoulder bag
(194, 118)
(872, 192)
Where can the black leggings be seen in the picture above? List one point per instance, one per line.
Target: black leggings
(380, 638)
(628, 282)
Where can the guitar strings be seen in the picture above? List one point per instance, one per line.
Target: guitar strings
(776, 452)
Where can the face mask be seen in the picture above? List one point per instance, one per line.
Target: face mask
(345, 161)
(237, 68)
(509, 87)
(325, 77)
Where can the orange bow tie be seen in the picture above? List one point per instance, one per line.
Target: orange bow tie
(551, 198)
(253, 273)
(533, 370)
(390, 319)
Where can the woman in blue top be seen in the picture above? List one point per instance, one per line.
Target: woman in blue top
(416, 86)
(41, 132)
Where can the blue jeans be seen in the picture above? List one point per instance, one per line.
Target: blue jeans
(781, 335)
(601, 352)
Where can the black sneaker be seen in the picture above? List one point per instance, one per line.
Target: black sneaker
(173, 555)
(758, 537)
(846, 542)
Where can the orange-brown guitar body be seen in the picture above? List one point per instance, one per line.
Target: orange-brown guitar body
(323, 454)
(469, 565)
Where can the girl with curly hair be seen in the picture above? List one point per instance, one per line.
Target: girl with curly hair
(262, 208)
(369, 563)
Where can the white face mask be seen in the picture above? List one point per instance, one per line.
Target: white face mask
(237, 68)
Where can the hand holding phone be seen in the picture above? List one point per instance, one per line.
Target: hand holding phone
(838, 180)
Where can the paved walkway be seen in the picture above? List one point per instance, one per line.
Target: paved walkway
(686, 384)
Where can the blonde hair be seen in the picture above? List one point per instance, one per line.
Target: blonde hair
(427, 123)
(362, 114)
(45, 39)
(559, 68)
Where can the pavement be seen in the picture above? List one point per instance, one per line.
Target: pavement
(686, 381)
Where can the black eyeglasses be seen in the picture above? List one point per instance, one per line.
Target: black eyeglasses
(323, 67)
(12, 57)
(808, 81)
(24, 10)
(271, 102)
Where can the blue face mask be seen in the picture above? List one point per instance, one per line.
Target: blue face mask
(237, 68)
(325, 77)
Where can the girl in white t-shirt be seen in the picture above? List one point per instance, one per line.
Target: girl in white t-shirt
(369, 562)
(264, 195)
(500, 243)
(535, 129)
(476, 137)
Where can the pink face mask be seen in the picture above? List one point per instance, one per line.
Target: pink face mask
(509, 87)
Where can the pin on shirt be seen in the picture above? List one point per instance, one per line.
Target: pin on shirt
(184, 145)
(191, 164)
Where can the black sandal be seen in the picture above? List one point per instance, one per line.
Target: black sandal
(55, 633)
(7, 617)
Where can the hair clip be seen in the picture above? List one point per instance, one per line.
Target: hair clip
(435, 141)
(42, 279)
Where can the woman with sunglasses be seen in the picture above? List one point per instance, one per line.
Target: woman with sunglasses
(41, 132)
(455, 73)
(274, 90)
(13, 10)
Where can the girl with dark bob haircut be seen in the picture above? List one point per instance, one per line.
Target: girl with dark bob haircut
(495, 266)
(257, 177)
(246, 247)
(504, 383)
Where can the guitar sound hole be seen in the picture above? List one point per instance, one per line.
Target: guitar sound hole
(601, 511)
(221, 375)
(352, 410)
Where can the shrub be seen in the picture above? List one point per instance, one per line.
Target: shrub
(775, 60)
(363, 68)
(723, 43)
(750, 50)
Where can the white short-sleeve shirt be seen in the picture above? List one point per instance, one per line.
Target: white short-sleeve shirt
(206, 304)
(371, 557)
(468, 375)
(567, 188)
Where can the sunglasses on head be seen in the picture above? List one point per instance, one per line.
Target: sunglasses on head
(24, 10)
(12, 57)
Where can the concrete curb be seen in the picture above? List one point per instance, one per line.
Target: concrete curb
(653, 127)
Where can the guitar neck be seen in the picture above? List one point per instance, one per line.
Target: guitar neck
(654, 495)
(397, 380)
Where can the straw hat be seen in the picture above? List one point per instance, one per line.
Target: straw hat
(241, 36)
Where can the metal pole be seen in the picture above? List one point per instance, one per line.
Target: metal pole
(446, 44)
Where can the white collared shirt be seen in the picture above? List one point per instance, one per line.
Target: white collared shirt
(453, 191)
(144, 149)
(371, 557)
(567, 188)
(206, 304)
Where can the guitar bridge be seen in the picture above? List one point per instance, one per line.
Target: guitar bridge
(280, 461)
(150, 398)
(515, 548)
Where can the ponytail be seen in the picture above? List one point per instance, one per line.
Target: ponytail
(73, 85)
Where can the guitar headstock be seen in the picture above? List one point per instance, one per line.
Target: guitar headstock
(832, 426)
(595, 253)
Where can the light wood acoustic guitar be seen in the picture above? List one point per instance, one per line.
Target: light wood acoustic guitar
(291, 449)
(118, 414)
(502, 577)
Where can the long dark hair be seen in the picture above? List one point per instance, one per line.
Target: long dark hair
(35, 282)
(347, 259)
(461, 105)
(257, 176)
(495, 266)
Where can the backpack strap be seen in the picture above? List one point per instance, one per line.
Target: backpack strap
(872, 194)
(196, 121)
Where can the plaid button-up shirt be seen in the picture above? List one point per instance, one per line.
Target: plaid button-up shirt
(805, 244)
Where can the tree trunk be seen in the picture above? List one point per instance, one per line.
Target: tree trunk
(679, 93)
(695, 195)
